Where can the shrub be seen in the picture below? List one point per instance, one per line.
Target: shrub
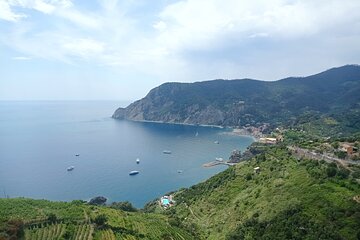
(51, 217)
(125, 206)
(248, 176)
(341, 154)
(356, 174)
(100, 220)
(331, 171)
(343, 173)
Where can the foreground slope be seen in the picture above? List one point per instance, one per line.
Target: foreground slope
(43, 220)
(246, 101)
(287, 199)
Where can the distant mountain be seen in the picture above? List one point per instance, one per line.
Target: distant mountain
(247, 101)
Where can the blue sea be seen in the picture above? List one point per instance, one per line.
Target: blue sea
(39, 141)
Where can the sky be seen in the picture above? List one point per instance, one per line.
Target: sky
(119, 50)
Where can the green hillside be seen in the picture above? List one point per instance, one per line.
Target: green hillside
(287, 199)
(332, 93)
(271, 195)
(43, 220)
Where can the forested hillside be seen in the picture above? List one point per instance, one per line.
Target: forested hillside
(239, 102)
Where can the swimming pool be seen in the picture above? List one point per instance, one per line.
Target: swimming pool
(165, 201)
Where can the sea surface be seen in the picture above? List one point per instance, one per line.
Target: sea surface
(39, 140)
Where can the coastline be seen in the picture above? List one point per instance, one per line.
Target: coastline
(243, 132)
(234, 130)
(175, 123)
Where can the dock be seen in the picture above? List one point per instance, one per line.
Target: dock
(217, 162)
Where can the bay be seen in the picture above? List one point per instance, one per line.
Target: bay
(39, 140)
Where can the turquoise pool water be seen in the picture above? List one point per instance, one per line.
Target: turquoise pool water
(165, 201)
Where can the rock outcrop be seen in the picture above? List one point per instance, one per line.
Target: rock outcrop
(100, 200)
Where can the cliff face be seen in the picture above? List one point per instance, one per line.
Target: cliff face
(246, 101)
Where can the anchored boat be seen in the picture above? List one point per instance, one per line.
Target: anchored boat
(134, 172)
(70, 168)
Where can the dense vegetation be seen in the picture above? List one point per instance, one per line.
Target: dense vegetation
(287, 199)
(330, 97)
(40, 219)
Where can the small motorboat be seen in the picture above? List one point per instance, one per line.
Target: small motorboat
(77, 155)
(167, 152)
(179, 171)
(216, 142)
(133, 173)
(137, 160)
(70, 168)
(219, 159)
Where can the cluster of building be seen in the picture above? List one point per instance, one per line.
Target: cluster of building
(256, 131)
(349, 148)
(271, 140)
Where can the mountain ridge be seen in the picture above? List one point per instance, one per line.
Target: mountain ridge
(247, 101)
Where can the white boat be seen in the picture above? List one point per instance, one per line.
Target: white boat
(179, 171)
(133, 172)
(197, 134)
(216, 142)
(219, 159)
(138, 160)
(70, 168)
(167, 152)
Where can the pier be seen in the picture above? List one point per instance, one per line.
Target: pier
(217, 162)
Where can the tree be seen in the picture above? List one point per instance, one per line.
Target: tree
(51, 217)
(100, 220)
(331, 171)
(248, 176)
(343, 173)
(125, 206)
(341, 154)
(335, 145)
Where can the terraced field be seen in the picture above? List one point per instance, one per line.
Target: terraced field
(51, 232)
(107, 234)
(77, 221)
(83, 232)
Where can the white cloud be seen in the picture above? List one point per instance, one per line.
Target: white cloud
(44, 6)
(201, 24)
(259, 35)
(7, 14)
(83, 47)
(185, 37)
(80, 19)
(160, 25)
(21, 58)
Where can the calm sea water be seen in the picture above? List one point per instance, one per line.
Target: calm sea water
(39, 140)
